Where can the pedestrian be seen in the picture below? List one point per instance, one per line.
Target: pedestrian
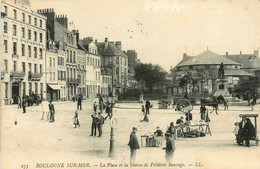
(253, 103)
(52, 112)
(202, 112)
(147, 107)
(95, 106)
(79, 103)
(180, 120)
(133, 144)
(225, 102)
(24, 105)
(145, 118)
(235, 131)
(249, 131)
(171, 129)
(170, 148)
(76, 120)
(143, 110)
(188, 116)
(94, 124)
(19, 102)
(101, 105)
(100, 123)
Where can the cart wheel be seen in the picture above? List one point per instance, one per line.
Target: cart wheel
(184, 106)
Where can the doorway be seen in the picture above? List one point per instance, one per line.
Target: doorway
(15, 92)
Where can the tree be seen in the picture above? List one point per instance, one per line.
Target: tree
(149, 75)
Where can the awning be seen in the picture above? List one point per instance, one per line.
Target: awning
(55, 87)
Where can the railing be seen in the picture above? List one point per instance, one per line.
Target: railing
(73, 80)
(34, 76)
(17, 74)
(14, 55)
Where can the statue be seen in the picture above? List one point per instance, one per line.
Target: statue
(221, 71)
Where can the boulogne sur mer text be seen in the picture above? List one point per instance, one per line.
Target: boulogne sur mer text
(63, 165)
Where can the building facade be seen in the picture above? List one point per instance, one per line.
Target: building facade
(23, 51)
(57, 26)
(115, 62)
(81, 69)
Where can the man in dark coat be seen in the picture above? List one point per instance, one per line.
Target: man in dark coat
(180, 120)
(133, 144)
(79, 105)
(52, 112)
(94, 124)
(24, 105)
(249, 131)
(188, 116)
(147, 106)
(202, 112)
(170, 148)
(100, 123)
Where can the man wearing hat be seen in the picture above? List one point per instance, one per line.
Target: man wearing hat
(170, 148)
(133, 144)
(249, 131)
(52, 111)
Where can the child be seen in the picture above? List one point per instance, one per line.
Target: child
(143, 110)
(76, 120)
(236, 129)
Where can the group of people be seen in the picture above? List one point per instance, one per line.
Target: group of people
(134, 145)
(146, 111)
(244, 131)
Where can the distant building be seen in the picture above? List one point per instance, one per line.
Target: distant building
(115, 62)
(249, 62)
(204, 68)
(132, 58)
(22, 51)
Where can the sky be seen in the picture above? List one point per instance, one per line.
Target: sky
(162, 30)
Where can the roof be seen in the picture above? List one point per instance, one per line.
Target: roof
(206, 58)
(111, 49)
(250, 61)
(237, 72)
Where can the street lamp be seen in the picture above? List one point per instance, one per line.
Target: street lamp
(111, 147)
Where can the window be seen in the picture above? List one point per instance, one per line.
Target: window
(6, 65)
(15, 14)
(35, 21)
(41, 89)
(14, 30)
(35, 36)
(29, 19)
(30, 88)
(74, 57)
(53, 62)
(59, 75)
(29, 51)
(35, 52)
(23, 49)
(117, 60)
(41, 69)
(14, 48)
(40, 37)
(35, 68)
(5, 27)
(50, 61)
(23, 32)
(6, 46)
(70, 56)
(30, 67)
(29, 34)
(53, 75)
(40, 53)
(41, 23)
(15, 65)
(23, 17)
(6, 89)
(36, 88)
(6, 10)
(24, 87)
(50, 76)
(23, 65)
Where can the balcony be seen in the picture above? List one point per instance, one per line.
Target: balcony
(15, 56)
(34, 76)
(73, 81)
(17, 76)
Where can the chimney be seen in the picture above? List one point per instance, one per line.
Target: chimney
(184, 55)
(226, 53)
(118, 45)
(106, 43)
(240, 52)
(256, 53)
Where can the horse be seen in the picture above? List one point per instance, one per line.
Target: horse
(213, 101)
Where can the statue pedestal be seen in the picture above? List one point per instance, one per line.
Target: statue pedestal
(222, 88)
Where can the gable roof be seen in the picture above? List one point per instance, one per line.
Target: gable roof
(207, 58)
(111, 49)
(250, 61)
